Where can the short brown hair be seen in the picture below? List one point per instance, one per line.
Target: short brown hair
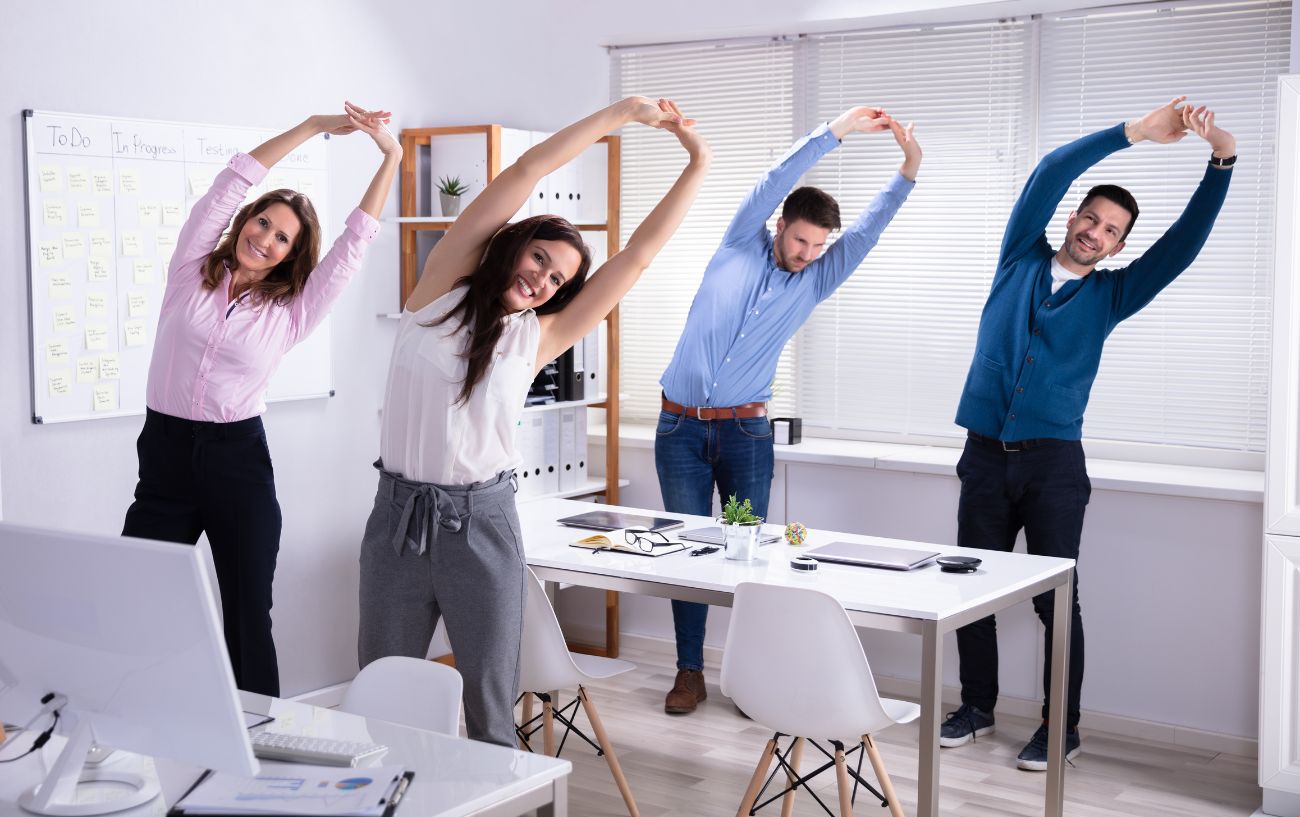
(813, 206)
(287, 279)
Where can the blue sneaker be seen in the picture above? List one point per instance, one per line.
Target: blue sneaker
(1033, 758)
(964, 725)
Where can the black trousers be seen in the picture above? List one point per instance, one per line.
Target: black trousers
(198, 477)
(1044, 490)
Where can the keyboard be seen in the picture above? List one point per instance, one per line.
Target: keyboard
(306, 749)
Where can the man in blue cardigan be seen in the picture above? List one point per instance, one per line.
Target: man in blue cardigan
(1040, 338)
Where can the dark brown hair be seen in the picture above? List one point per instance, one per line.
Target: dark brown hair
(1117, 194)
(813, 206)
(287, 279)
(482, 309)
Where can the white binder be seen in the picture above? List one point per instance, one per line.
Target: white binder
(529, 442)
(580, 446)
(550, 462)
(569, 447)
(591, 363)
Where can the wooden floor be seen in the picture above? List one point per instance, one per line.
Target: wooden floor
(700, 764)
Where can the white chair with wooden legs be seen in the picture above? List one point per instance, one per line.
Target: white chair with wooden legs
(409, 691)
(793, 663)
(545, 664)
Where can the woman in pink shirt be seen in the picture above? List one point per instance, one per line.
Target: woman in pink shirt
(236, 300)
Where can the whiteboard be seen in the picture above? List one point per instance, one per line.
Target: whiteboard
(106, 197)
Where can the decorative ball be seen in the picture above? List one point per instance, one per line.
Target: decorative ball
(796, 534)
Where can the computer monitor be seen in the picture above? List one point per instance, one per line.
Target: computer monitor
(122, 635)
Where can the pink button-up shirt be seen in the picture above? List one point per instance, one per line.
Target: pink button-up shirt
(212, 357)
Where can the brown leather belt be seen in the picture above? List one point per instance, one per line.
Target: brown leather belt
(709, 413)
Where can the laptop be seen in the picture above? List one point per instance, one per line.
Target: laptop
(614, 520)
(715, 536)
(860, 553)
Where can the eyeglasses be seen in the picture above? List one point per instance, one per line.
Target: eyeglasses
(647, 540)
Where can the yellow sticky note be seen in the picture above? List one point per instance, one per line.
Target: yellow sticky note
(105, 398)
(56, 353)
(132, 244)
(55, 214)
(51, 179)
(87, 369)
(150, 213)
(134, 333)
(200, 181)
(97, 337)
(171, 214)
(307, 186)
(137, 304)
(60, 384)
(101, 244)
(60, 285)
(74, 245)
(64, 320)
(88, 215)
(78, 180)
(166, 241)
(97, 270)
(50, 253)
(96, 304)
(144, 271)
(102, 183)
(128, 182)
(108, 367)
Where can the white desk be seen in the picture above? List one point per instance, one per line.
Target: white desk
(454, 777)
(924, 602)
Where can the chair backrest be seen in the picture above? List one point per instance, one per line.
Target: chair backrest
(544, 660)
(409, 691)
(793, 662)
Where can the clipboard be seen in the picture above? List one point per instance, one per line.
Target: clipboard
(390, 802)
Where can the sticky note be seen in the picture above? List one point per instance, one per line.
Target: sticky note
(50, 253)
(74, 245)
(101, 244)
(171, 214)
(97, 270)
(105, 397)
(51, 179)
(96, 304)
(78, 180)
(64, 320)
(88, 215)
(200, 181)
(144, 270)
(55, 214)
(60, 285)
(166, 241)
(87, 369)
(150, 213)
(137, 304)
(132, 244)
(128, 182)
(101, 183)
(134, 333)
(307, 186)
(97, 337)
(60, 384)
(56, 353)
(108, 367)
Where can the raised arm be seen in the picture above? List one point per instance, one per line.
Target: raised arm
(459, 250)
(611, 282)
(752, 215)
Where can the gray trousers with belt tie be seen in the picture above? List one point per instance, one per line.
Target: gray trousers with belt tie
(454, 551)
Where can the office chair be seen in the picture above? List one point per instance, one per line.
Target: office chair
(409, 691)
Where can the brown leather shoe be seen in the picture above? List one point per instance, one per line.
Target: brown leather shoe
(688, 692)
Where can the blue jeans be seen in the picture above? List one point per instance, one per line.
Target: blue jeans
(1044, 490)
(691, 456)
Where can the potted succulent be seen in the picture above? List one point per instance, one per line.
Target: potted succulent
(450, 189)
(740, 529)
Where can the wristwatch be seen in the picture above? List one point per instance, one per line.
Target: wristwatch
(1226, 161)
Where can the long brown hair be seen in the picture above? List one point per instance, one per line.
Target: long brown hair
(286, 280)
(482, 309)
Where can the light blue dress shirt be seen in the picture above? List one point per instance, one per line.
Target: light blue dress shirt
(747, 307)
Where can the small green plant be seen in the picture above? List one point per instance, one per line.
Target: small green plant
(739, 513)
(452, 186)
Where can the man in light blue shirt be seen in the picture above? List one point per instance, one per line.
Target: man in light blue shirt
(757, 291)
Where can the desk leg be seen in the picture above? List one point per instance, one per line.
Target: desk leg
(1054, 802)
(559, 805)
(927, 780)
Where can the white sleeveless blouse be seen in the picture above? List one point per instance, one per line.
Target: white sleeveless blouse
(426, 435)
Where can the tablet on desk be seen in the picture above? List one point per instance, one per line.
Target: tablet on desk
(860, 553)
(614, 520)
(715, 536)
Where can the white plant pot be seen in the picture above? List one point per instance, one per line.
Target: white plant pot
(450, 205)
(742, 541)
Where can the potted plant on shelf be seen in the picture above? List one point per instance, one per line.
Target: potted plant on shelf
(740, 529)
(450, 189)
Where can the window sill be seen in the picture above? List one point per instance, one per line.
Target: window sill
(1228, 484)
